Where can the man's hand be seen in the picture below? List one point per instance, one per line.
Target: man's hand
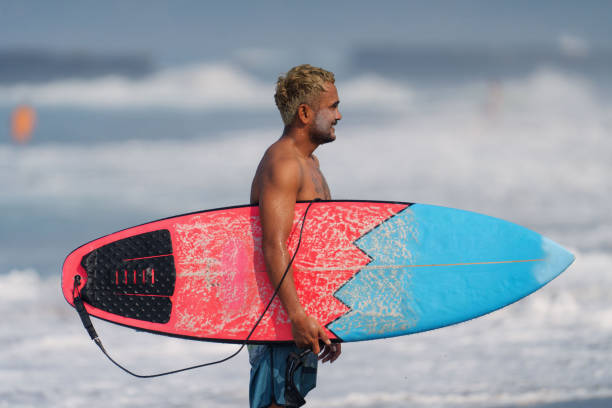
(330, 352)
(307, 332)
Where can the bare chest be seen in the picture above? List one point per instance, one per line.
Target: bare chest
(314, 184)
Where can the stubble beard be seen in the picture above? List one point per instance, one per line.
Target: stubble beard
(321, 131)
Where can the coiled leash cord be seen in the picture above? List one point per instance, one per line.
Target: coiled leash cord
(80, 308)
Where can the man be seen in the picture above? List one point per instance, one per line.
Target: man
(288, 172)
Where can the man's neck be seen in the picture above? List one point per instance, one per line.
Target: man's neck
(301, 140)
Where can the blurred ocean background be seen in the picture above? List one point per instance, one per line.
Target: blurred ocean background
(146, 110)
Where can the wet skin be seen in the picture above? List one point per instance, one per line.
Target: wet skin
(290, 172)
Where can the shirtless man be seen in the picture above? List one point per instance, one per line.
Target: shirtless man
(288, 172)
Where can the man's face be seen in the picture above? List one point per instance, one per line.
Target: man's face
(326, 117)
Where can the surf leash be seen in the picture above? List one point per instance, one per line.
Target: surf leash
(86, 320)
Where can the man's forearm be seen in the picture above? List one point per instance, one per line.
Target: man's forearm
(277, 257)
(305, 329)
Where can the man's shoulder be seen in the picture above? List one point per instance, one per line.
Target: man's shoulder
(281, 163)
(282, 147)
(280, 156)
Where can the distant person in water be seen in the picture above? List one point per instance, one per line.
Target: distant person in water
(23, 121)
(288, 172)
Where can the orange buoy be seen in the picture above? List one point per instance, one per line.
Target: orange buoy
(23, 121)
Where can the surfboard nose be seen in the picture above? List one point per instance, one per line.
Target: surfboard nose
(556, 260)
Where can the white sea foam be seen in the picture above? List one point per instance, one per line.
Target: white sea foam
(374, 92)
(205, 86)
(551, 346)
(19, 286)
(542, 144)
(138, 174)
(210, 86)
(573, 45)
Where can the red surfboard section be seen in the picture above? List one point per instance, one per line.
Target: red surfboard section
(202, 275)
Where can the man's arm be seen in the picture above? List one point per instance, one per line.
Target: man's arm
(279, 190)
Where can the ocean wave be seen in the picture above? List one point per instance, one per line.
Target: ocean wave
(210, 86)
(153, 176)
(532, 151)
(205, 86)
(226, 86)
(20, 286)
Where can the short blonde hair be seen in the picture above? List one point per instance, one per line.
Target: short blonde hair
(301, 84)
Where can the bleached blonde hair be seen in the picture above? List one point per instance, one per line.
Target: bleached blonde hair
(301, 84)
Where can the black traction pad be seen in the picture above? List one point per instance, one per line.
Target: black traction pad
(132, 277)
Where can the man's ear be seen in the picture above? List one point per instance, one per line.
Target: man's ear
(305, 113)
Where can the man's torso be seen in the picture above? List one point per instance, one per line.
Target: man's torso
(312, 183)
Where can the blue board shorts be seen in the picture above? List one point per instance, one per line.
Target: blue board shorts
(268, 368)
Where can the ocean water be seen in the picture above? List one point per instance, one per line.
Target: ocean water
(534, 147)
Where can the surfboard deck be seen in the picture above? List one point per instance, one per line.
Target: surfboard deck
(365, 270)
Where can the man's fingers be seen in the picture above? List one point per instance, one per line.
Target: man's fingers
(337, 352)
(330, 354)
(308, 333)
(325, 353)
(315, 346)
(323, 336)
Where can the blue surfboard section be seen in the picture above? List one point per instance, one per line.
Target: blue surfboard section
(435, 266)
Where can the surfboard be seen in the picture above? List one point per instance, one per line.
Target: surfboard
(364, 269)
